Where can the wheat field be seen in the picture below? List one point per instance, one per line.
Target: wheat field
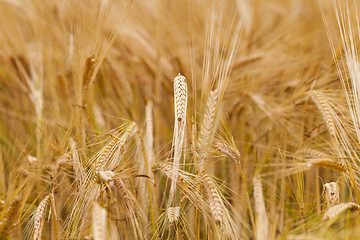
(179, 119)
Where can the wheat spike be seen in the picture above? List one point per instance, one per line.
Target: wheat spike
(215, 202)
(39, 217)
(262, 223)
(180, 94)
(115, 144)
(325, 110)
(331, 194)
(338, 209)
(169, 171)
(87, 77)
(229, 151)
(180, 98)
(309, 152)
(61, 161)
(328, 163)
(98, 116)
(98, 222)
(76, 161)
(8, 217)
(149, 135)
(31, 159)
(173, 214)
(106, 176)
(206, 129)
(119, 183)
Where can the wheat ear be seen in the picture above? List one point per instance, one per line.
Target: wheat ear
(180, 98)
(149, 134)
(262, 223)
(87, 77)
(169, 171)
(115, 144)
(173, 214)
(39, 217)
(119, 183)
(76, 161)
(325, 110)
(8, 217)
(180, 94)
(215, 202)
(328, 163)
(331, 194)
(229, 151)
(98, 222)
(206, 129)
(309, 152)
(338, 209)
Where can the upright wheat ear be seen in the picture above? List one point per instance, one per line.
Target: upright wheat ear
(262, 224)
(180, 97)
(39, 217)
(206, 129)
(330, 194)
(180, 94)
(87, 77)
(98, 222)
(76, 161)
(325, 110)
(337, 209)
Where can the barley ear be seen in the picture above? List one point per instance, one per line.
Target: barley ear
(98, 222)
(215, 202)
(328, 163)
(262, 223)
(330, 194)
(39, 217)
(207, 126)
(230, 152)
(325, 110)
(173, 214)
(334, 211)
(8, 217)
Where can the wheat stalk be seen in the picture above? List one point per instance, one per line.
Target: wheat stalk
(338, 209)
